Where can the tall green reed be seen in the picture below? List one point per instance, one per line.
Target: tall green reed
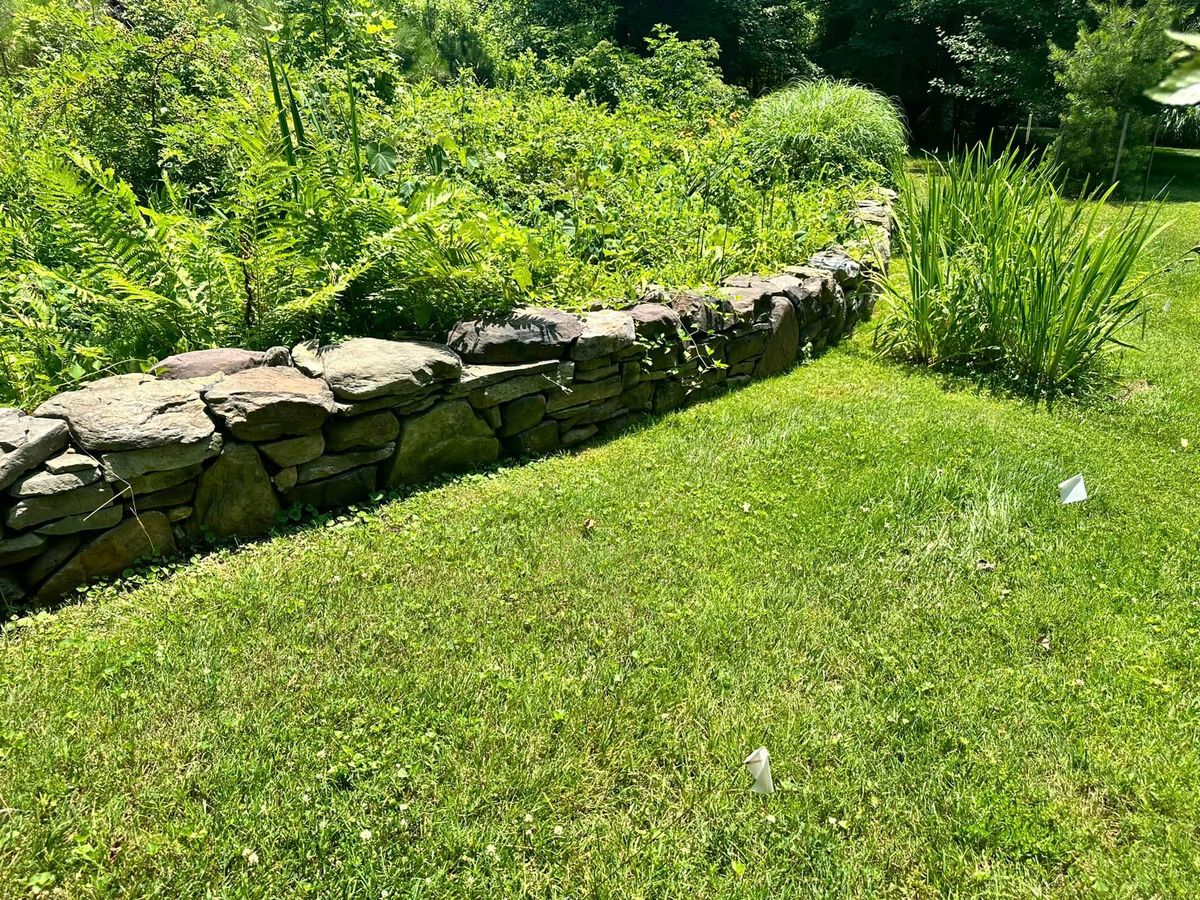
(1000, 274)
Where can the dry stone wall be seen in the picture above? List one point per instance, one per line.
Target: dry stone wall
(216, 443)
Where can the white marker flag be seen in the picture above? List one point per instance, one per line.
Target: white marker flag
(759, 764)
(1073, 490)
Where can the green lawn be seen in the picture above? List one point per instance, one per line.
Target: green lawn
(471, 692)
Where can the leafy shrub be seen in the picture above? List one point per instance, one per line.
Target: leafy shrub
(1002, 275)
(253, 191)
(821, 129)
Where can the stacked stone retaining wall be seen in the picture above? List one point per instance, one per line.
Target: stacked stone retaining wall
(216, 443)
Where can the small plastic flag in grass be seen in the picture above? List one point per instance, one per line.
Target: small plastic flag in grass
(759, 765)
(1073, 490)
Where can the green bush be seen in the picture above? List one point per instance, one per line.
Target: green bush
(1001, 275)
(820, 129)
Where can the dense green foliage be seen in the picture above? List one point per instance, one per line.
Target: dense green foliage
(820, 129)
(1001, 275)
(173, 179)
(967, 689)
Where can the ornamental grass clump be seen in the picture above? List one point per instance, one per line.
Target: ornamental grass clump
(818, 129)
(999, 274)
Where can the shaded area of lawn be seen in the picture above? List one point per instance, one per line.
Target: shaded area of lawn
(472, 691)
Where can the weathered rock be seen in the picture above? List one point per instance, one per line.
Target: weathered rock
(111, 553)
(57, 552)
(286, 479)
(235, 496)
(670, 395)
(277, 356)
(27, 442)
(368, 368)
(598, 374)
(341, 490)
(168, 497)
(522, 414)
(846, 270)
(204, 363)
(579, 435)
(747, 346)
(179, 514)
(656, 323)
(295, 451)
(133, 412)
(631, 373)
(159, 481)
(700, 314)
(605, 332)
(514, 388)
(450, 437)
(477, 377)
(10, 591)
(784, 344)
(749, 297)
(527, 334)
(70, 461)
(369, 431)
(639, 398)
(128, 466)
(43, 482)
(268, 403)
(33, 511)
(99, 520)
(337, 463)
(536, 441)
(20, 548)
(580, 394)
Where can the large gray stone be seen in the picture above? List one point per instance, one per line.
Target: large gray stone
(268, 403)
(784, 343)
(33, 511)
(159, 481)
(57, 552)
(294, 451)
(20, 548)
(234, 496)
(450, 437)
(749, 296)
(203, 363)
(369, 368)
(656, 323)
(581, 394)
(369, 431)
(847, 271)
(70, 461)
(522, 414)
(10, 591)
(341, 490)
(43, 482)
(700, 314)
(133, 412)
(27, 442)
(477, 377)
(526, 334)
(129, 466)
(337, 463)
(605, 332)
(111, 553)
(99, 520)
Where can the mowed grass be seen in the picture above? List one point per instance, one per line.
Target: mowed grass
(543, 681)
